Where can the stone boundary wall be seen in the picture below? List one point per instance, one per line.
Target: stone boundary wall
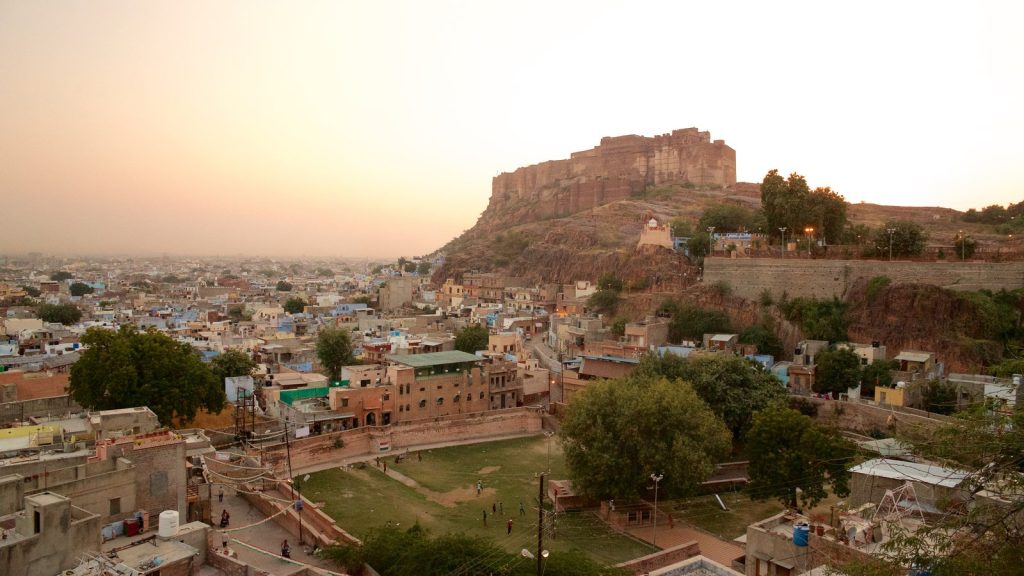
(370, 441)
(23, 409)
(749, 277)
(865, 418)
(662, 558)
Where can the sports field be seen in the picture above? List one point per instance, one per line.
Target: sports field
(440, 493)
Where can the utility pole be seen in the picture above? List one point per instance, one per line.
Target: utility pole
(540, 526)
(891, 231)
(783, 230)
(288, 453)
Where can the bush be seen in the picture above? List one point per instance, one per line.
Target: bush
(876, 284)
(804, 406)
(765, 298)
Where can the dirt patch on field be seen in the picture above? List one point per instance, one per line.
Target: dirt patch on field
(488, 469)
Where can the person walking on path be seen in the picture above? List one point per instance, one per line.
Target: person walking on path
(478, 486)
(494, 508)
(522, 509)
(508, 527)
(220, 494)
(385, 467)
(224, 539)
(485, 517)
(286, 550)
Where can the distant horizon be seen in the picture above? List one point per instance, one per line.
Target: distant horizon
(321, 128)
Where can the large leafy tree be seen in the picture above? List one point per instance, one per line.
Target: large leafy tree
(791, 454)
(66, 314)
(472, 338)
(334, 350)
(878, 373)
(734, 387)
(616, 433)
(907, 238)
(731, 218)
(294, 305)
(689, 322)
(232, 363)
(129, 368)
(790, 203)
(818, 319)
(80, 289)
(836, 370)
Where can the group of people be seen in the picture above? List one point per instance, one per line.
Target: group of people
(499, 508)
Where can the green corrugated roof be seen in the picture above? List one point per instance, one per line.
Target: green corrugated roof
(434, 358)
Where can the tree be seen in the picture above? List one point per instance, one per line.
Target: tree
(878, 373)
(699, 246)
(610, 282)
(80, 289)
(818, 319)
(619, 327)
(423, 268)
(790, 203)
(734, 387)
(66, 314)
(283, 286)
(395, 552)
(836, 371)
(128, 368)
(472, 338)
(334, 349)
(763, 336)
(61, 276)
(362, 300)
(689, 322)
(790, 453)
(826, 213)
(324, 272)
(232, 363)
(731, 218)
(32, 291)
(965, 246)
(938, 396)
(604, 301)
(294, 305)
(907, 238)
(617, 432)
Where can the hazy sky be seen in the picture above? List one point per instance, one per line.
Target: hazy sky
(374, 128)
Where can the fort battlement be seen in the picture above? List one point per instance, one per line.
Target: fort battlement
(618, 168)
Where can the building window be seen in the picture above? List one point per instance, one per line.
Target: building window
(406, 407)
(344, 402)
(387, 396)
(440, 400)
(423, 403)
(115, 506)
(481, 395)
(456, 398)
(401, 408)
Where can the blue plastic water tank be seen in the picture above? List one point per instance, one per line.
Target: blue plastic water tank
(801, 533)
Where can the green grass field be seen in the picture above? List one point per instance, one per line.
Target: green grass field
(444, 498)
(704, 512)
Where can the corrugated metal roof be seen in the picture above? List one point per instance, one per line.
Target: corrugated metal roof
(914, 356)
(911, 472)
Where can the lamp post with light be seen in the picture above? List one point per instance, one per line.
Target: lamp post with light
(810, 234)
(654, 534)
(783, 230)
(891, 231)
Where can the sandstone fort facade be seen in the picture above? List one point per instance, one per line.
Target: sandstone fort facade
(618, 168)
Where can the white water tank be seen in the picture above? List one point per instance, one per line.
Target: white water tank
(168, 524)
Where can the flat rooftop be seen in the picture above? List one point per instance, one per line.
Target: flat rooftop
(434, 358)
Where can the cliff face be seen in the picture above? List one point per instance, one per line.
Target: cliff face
(617, 169)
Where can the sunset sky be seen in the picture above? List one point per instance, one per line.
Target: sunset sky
(374, 128)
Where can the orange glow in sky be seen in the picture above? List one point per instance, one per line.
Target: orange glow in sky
(349, 128)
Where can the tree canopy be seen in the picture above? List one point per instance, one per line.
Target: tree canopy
(731, 218)
(689, 322)
(232, 363)
(294, 305)
(790, 203)
(66, 314)
(604, 301)
(472, 338)
(61, 276)
(616, 433)
(908, 239)
(334, 350)
(128, 368)
(818, 319)
(395, 552)
(735, 388)
(836, 370)
(80, 289)
(283, 286)
(791, 454)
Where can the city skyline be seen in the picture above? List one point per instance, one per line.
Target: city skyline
(340, 129)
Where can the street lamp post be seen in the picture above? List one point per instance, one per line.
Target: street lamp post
(783, 230)
(891, 231)
(654, 534)
(549, 434)
(963, 246)
(711, 239)
(810, 234)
